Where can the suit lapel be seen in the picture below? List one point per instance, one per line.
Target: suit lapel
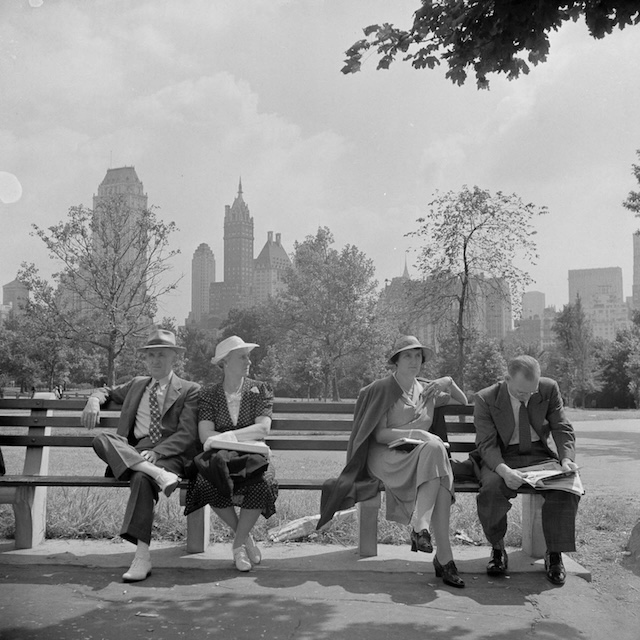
(173, 393)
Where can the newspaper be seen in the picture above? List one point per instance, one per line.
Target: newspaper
(551, 475)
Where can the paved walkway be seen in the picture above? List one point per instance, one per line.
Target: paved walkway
(72, 590)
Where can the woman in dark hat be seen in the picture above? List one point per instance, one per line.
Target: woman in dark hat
(417, 478)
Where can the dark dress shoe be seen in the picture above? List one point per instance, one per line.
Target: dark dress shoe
(554, 567)
(421, 541)
(498, 563)
(448, 573)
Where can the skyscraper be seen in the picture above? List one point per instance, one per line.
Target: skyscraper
(15, 294)
(236, 290)
(269, 269)
(203, 275)
(247, 282)
(533, 305)
(635, 292)
(600, 292)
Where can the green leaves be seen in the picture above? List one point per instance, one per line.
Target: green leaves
(486, 37)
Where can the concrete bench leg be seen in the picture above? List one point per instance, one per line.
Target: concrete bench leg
(533, 542)
(368, 527)
(30, 510)
(199, 530)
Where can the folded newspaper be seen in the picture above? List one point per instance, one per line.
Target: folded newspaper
(229, 441)
(551, 475)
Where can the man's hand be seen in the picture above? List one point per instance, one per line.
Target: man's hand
(150, 456)
(91, 413)
(512, 477)
(568, 465)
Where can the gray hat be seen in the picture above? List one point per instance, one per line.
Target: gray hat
(404, 343)
(161, 338)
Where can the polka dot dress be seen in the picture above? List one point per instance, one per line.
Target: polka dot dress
(256, 400)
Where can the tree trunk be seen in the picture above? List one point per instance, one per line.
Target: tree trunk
(111, 362)
(334, 384)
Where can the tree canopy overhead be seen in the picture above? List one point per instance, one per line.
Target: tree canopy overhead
(488, 37)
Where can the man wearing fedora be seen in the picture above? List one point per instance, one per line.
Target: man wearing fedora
(156, 437)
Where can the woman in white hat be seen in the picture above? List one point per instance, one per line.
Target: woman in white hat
(418, 479)
(244, 406)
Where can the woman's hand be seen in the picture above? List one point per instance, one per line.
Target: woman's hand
(209, 442)
(435, 387)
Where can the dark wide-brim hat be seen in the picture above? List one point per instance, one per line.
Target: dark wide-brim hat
(404, 343)
(162, 339)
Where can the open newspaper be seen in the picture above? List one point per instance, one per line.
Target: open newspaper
(228, 440)
(551, 475)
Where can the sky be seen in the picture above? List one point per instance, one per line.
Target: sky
(198, 93)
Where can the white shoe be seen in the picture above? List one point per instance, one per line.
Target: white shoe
(241, 559)
(140, 569)
(167, 482)
(253, 550)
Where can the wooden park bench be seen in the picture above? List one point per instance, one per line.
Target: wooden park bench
(297, 426)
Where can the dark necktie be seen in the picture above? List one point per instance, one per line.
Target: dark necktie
(524, 429)
(154, 409)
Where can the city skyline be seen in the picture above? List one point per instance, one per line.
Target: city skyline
(172, 91)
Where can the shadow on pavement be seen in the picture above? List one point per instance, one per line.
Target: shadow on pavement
(47, 603)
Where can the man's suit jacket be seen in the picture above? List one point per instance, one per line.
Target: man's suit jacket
(495, 422)
(179, 414)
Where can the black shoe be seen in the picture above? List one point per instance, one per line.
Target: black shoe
(421, 541)
(554, 567)
(448, 573)
(498, 563)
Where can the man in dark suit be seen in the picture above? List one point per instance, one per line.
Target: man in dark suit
(156, 437)
(521, 422)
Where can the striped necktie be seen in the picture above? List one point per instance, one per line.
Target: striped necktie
(155, 432)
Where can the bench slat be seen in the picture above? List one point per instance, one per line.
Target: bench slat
(311, 425)
(67, 422)
(314, 407)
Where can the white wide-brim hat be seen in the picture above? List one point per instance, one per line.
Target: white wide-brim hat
(230, 344)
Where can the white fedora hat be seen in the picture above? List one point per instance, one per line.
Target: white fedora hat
(230, 344)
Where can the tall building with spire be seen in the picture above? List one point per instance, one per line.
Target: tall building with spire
(247, 282)
(235, 292)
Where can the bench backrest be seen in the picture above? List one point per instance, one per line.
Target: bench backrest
(317, 426)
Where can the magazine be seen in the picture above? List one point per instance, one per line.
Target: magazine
(229, 441)
(551, 475)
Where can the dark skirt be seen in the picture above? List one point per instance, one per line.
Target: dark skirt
(259, 495)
